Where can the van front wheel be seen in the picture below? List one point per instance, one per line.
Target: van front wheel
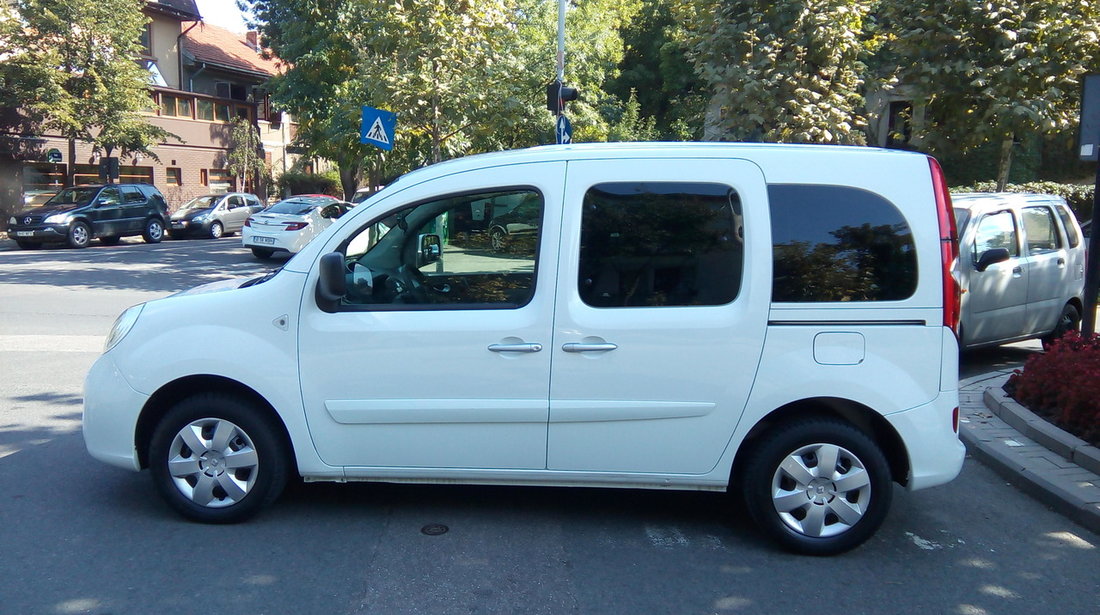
(216, 458)
(818, 487)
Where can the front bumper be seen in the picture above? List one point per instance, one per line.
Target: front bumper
(40, 233)
(187, 227)
(111, 411)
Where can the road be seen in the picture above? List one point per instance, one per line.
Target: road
(77, 536)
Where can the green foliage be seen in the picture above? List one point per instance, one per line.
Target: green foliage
(1078, 197)
(631, 126)
(779, 70)
(71, 67)
(293, 182)
(245, 157)
(989, 71)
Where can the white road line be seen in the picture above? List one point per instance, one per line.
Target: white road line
(51, 343)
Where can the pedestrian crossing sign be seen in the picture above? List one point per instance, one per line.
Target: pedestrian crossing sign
(377, 128)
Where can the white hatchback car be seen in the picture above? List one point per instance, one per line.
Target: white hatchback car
(1022, 267)
(773, 320)
(287, 226)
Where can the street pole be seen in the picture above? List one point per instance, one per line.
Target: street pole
(561, 41)
(1092, 268)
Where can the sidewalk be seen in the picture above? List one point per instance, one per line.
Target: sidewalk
(1060, 470)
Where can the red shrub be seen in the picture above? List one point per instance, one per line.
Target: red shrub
(1063, 384)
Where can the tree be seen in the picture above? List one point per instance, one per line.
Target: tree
(990, 71)
(779, 70)
(72, 67)
(245, 158)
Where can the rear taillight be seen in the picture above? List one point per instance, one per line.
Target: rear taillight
(295, 226)
(955, 420)
(949, 249)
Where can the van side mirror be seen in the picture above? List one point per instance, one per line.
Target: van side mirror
(431, 250)
(990, 257)
(332, 284)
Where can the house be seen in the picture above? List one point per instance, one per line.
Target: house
(201, 78)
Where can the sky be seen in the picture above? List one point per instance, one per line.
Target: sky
(222, 13)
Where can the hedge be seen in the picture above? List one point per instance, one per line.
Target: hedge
(1078, 196)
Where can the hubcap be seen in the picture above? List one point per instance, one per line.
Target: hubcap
(155, 230)
(213, 462)
(80, 234)
(821, 490)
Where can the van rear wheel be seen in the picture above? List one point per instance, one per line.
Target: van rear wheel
(216, 458)
(817, 487)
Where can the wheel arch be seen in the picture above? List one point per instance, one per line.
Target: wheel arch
(172, 393)
(854, 413)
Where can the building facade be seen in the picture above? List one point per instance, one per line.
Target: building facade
(202, 77)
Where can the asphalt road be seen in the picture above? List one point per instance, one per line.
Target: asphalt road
(77, 536)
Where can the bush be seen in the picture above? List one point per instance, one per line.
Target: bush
(1078, 196)
(309, 183)
(1063, 385)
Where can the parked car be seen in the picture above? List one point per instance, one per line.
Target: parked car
(79, 214)
(214, 215)
(287, 226)
(770, 319)
(519, 223)
(1022, 267)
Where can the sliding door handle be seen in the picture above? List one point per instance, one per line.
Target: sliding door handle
(579, 347)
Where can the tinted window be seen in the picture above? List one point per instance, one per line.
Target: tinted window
(1042, 231)
(133, 195)
(996, 230)
(660, 244)
(836, 243)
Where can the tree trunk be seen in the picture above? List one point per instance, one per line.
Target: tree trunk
(1005, 164)
(350, 174)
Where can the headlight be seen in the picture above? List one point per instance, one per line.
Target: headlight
(199, 218)
(12, 221)
(57, 219)
(122, 326)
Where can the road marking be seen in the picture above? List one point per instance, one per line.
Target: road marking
(51, 343)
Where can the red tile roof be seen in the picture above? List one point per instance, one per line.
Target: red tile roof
(209, 43)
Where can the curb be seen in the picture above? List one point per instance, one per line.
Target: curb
(1055, 467)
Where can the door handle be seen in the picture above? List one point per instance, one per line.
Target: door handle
(1061, 262)
(579, 347)
(1017, 270)
(515, 347)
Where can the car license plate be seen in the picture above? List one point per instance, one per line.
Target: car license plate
(24, 233)
(265, 240)
(179, 225)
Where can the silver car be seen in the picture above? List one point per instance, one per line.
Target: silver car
(214, 215)
(1021, 267)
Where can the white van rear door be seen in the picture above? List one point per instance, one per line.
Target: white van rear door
(661, 312)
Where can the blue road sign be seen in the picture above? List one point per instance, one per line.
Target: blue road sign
(564, 130)
(377, 128)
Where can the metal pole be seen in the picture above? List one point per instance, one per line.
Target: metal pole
(561, 40)
(1092, 269)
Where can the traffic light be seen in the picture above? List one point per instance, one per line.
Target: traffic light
(557, 94)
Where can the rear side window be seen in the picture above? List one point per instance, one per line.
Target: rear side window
(837, 243)
(132, 195)
(650, 244)
(1042, 231)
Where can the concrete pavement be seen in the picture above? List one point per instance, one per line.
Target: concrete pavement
(1057, 468)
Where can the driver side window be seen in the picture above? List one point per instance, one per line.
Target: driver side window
(466, 251)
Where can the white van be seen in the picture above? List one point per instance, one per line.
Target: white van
(1021, 266)
(775, 320)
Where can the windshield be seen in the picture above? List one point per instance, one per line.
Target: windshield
(79, 196)
(299, 206)
(203, 202)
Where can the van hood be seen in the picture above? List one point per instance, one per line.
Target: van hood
(215, 287)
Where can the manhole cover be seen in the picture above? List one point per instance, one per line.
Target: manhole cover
(434, 529)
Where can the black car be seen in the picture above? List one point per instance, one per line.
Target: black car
(214, 215)
(79, 214)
